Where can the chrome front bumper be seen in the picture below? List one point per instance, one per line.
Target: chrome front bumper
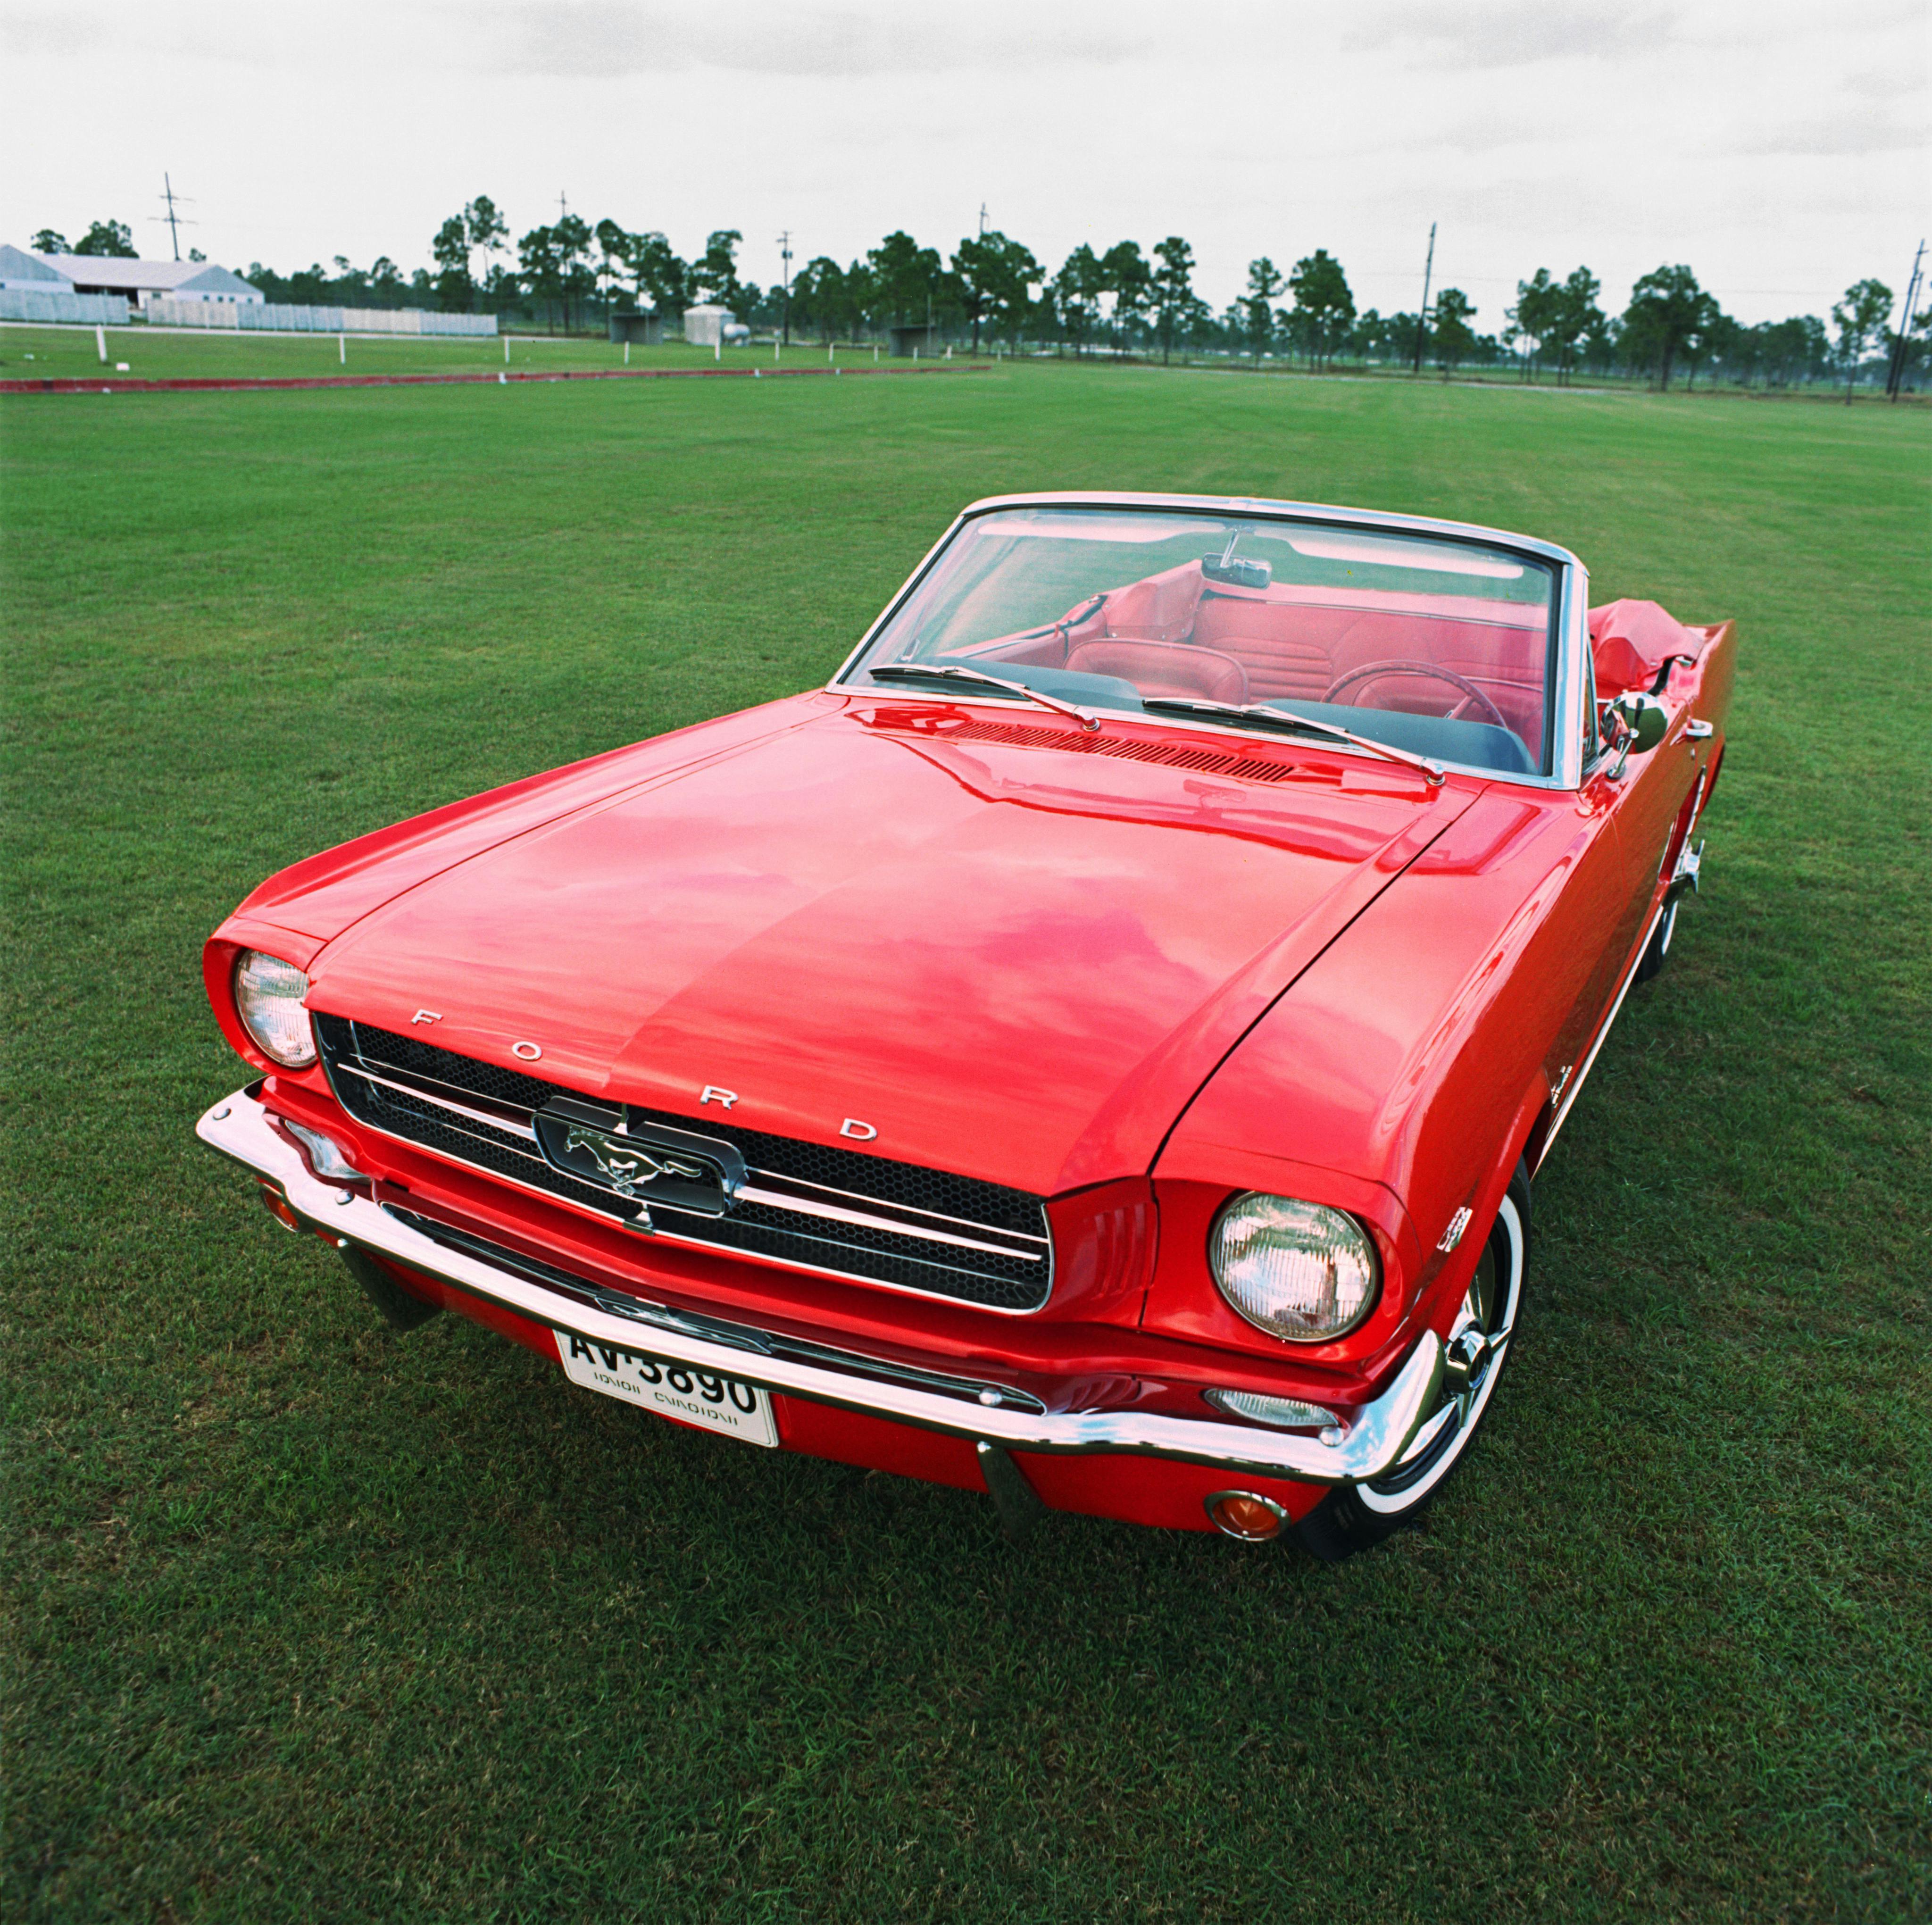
(1371, 1443)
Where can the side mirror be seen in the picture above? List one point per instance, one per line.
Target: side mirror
(1646, 718)
(1641, 720)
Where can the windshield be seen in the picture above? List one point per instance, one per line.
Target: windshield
(1440, 647)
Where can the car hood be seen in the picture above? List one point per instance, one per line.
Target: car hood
(963, 946)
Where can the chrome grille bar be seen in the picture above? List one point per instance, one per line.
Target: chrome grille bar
(778, 1216)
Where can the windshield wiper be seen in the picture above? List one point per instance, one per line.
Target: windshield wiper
(911, 671)
(1269, 716)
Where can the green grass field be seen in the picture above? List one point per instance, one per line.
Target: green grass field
(303, 1622)
(168, 354)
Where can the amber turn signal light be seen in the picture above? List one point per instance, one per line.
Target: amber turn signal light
(1242, 1514)
(278, 1207)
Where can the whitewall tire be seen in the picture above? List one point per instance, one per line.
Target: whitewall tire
(1350, 1518)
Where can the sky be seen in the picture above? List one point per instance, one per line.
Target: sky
(1781, 150)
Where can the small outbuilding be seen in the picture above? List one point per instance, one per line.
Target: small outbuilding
(922, 339)
(706, 326)
(644, 328)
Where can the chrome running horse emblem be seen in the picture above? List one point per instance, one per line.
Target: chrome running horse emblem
(626, 1167)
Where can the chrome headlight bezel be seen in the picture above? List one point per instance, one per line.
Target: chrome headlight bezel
(1259, 1243)
(268, 993)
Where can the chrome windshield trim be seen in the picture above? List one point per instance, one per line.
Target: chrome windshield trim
(1272, 510)
(1377, 1434)
(1565, 701)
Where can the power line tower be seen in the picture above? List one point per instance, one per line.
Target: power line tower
(1422, 319)
(1901, 345)
(784, 255)
(175, 222)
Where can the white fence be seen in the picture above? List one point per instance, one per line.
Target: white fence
(280, 319)
(93, 310)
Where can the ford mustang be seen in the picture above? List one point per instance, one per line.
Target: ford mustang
(1095, 1051)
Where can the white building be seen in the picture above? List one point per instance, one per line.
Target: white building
(705, 326)
(136, 282)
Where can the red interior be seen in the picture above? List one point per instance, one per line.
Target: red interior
(1178, 634)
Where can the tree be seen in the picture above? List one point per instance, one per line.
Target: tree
(47, 242)
(1857, 317)
(108, 237)
(578, 277)
(455, 291)
(975, 267)
(613, 245)
(1177, 307)
(1368, 339)
(716, 270)
(991, 272)
(661, 273)
(487, 228)
(1716, 341)
(1077, 288)
(1535, 315)
(1265, 282)
(1125, 275)
(540, 256)
(902, 274)
(865, 297)
(1454, 337)
(1324, 309)
(1573, 317)
(818, 296)
(1667, 309)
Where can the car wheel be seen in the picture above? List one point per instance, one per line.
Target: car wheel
(1658, 947)
(1353, 1517)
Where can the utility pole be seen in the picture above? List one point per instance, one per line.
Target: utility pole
(983, 221)
(784, 255)
(171, 217)
(1422, 319)
(563, 207)
(1894, 377)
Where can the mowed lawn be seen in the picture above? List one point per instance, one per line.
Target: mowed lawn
(305, 1622)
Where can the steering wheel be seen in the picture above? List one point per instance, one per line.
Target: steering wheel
(1470, 693)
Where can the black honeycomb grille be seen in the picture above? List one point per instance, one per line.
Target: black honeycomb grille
(992, 1278)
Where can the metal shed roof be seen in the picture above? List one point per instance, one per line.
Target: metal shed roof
(126, 277)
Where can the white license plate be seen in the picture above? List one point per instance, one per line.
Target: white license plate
(698, 1397)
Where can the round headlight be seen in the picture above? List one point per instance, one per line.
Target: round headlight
(269, 994)
(1297, 1270)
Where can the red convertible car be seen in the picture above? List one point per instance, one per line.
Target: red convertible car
(1096, 1051)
